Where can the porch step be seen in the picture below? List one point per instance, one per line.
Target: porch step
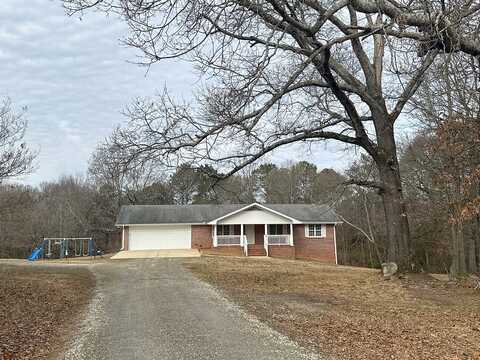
(256, 250)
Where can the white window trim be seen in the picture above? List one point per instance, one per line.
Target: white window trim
(323, 231)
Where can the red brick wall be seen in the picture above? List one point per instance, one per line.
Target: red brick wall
(202, 237)
(322, 249)
(125, 238)
(281, 251)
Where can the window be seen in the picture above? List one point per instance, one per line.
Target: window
(314, 230)
(224, 229)
(278, 229)
(228, 229)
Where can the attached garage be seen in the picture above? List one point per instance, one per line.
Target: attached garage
(159, 237)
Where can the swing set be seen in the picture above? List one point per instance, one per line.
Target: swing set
(60, 248)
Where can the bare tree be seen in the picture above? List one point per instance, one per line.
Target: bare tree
(123, 182)
(15, 157)
(284, 71)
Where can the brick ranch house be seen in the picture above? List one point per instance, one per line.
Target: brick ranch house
(277, 230)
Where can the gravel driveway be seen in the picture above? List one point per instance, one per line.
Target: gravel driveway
(155, 309)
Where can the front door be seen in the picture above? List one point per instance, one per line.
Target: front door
(259, 233)
(250, 233)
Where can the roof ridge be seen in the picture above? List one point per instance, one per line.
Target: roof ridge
(185, 205)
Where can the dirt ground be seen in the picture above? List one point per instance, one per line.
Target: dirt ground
(38, 308)
(352, 313)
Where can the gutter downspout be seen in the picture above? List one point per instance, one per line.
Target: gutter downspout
(123, 238)
(335, 242)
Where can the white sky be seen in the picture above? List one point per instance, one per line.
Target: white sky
(74, 76)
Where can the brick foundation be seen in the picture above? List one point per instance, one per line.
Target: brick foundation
(281, 251)
(224, 251)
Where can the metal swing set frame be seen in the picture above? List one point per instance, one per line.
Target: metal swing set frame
(50, 247)
(79, 248)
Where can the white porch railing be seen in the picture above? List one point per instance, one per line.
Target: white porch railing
(278, 239)
(228, 240)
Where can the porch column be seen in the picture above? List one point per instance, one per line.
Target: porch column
(241, 235)
(265, 240)
(215, 240)
(291, 234)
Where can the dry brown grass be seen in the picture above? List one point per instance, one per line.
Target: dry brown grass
(38, 308)
(351, 313)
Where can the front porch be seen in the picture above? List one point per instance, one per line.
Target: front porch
(253, 239)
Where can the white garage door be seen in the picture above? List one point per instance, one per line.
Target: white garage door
(160, 237)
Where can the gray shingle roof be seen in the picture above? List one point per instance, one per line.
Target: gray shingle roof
(200, 214)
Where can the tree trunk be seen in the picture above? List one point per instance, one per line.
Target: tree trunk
(454, 266)
(462, 261)
(459, 264)
(477, 237)
(396, 219)
(471, 254)
(427, 261)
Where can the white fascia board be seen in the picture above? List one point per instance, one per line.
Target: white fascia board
(158, 224)
(322, 222)
(214, 222)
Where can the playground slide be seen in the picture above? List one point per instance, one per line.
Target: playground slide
(36, 254)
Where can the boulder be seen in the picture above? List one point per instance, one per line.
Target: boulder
(389, 269)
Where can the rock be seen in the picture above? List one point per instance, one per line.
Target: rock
(389, 269)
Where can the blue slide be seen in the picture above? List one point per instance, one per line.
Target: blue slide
(36, 254)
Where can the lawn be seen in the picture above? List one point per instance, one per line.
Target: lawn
(39, 306)
(351, 313)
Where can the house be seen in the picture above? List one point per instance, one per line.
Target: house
(278, 230)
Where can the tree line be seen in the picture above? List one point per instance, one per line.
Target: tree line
(75, 206)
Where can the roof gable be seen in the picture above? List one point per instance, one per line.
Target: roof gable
(252, 207)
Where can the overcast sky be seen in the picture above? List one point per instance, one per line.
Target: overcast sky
(74, 76)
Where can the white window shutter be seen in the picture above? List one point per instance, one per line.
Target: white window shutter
(306, 230)
(324, 230)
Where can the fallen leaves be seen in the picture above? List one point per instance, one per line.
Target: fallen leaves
(352, 313)
(38, 308)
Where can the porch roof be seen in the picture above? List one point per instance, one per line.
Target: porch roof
(203, 214)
